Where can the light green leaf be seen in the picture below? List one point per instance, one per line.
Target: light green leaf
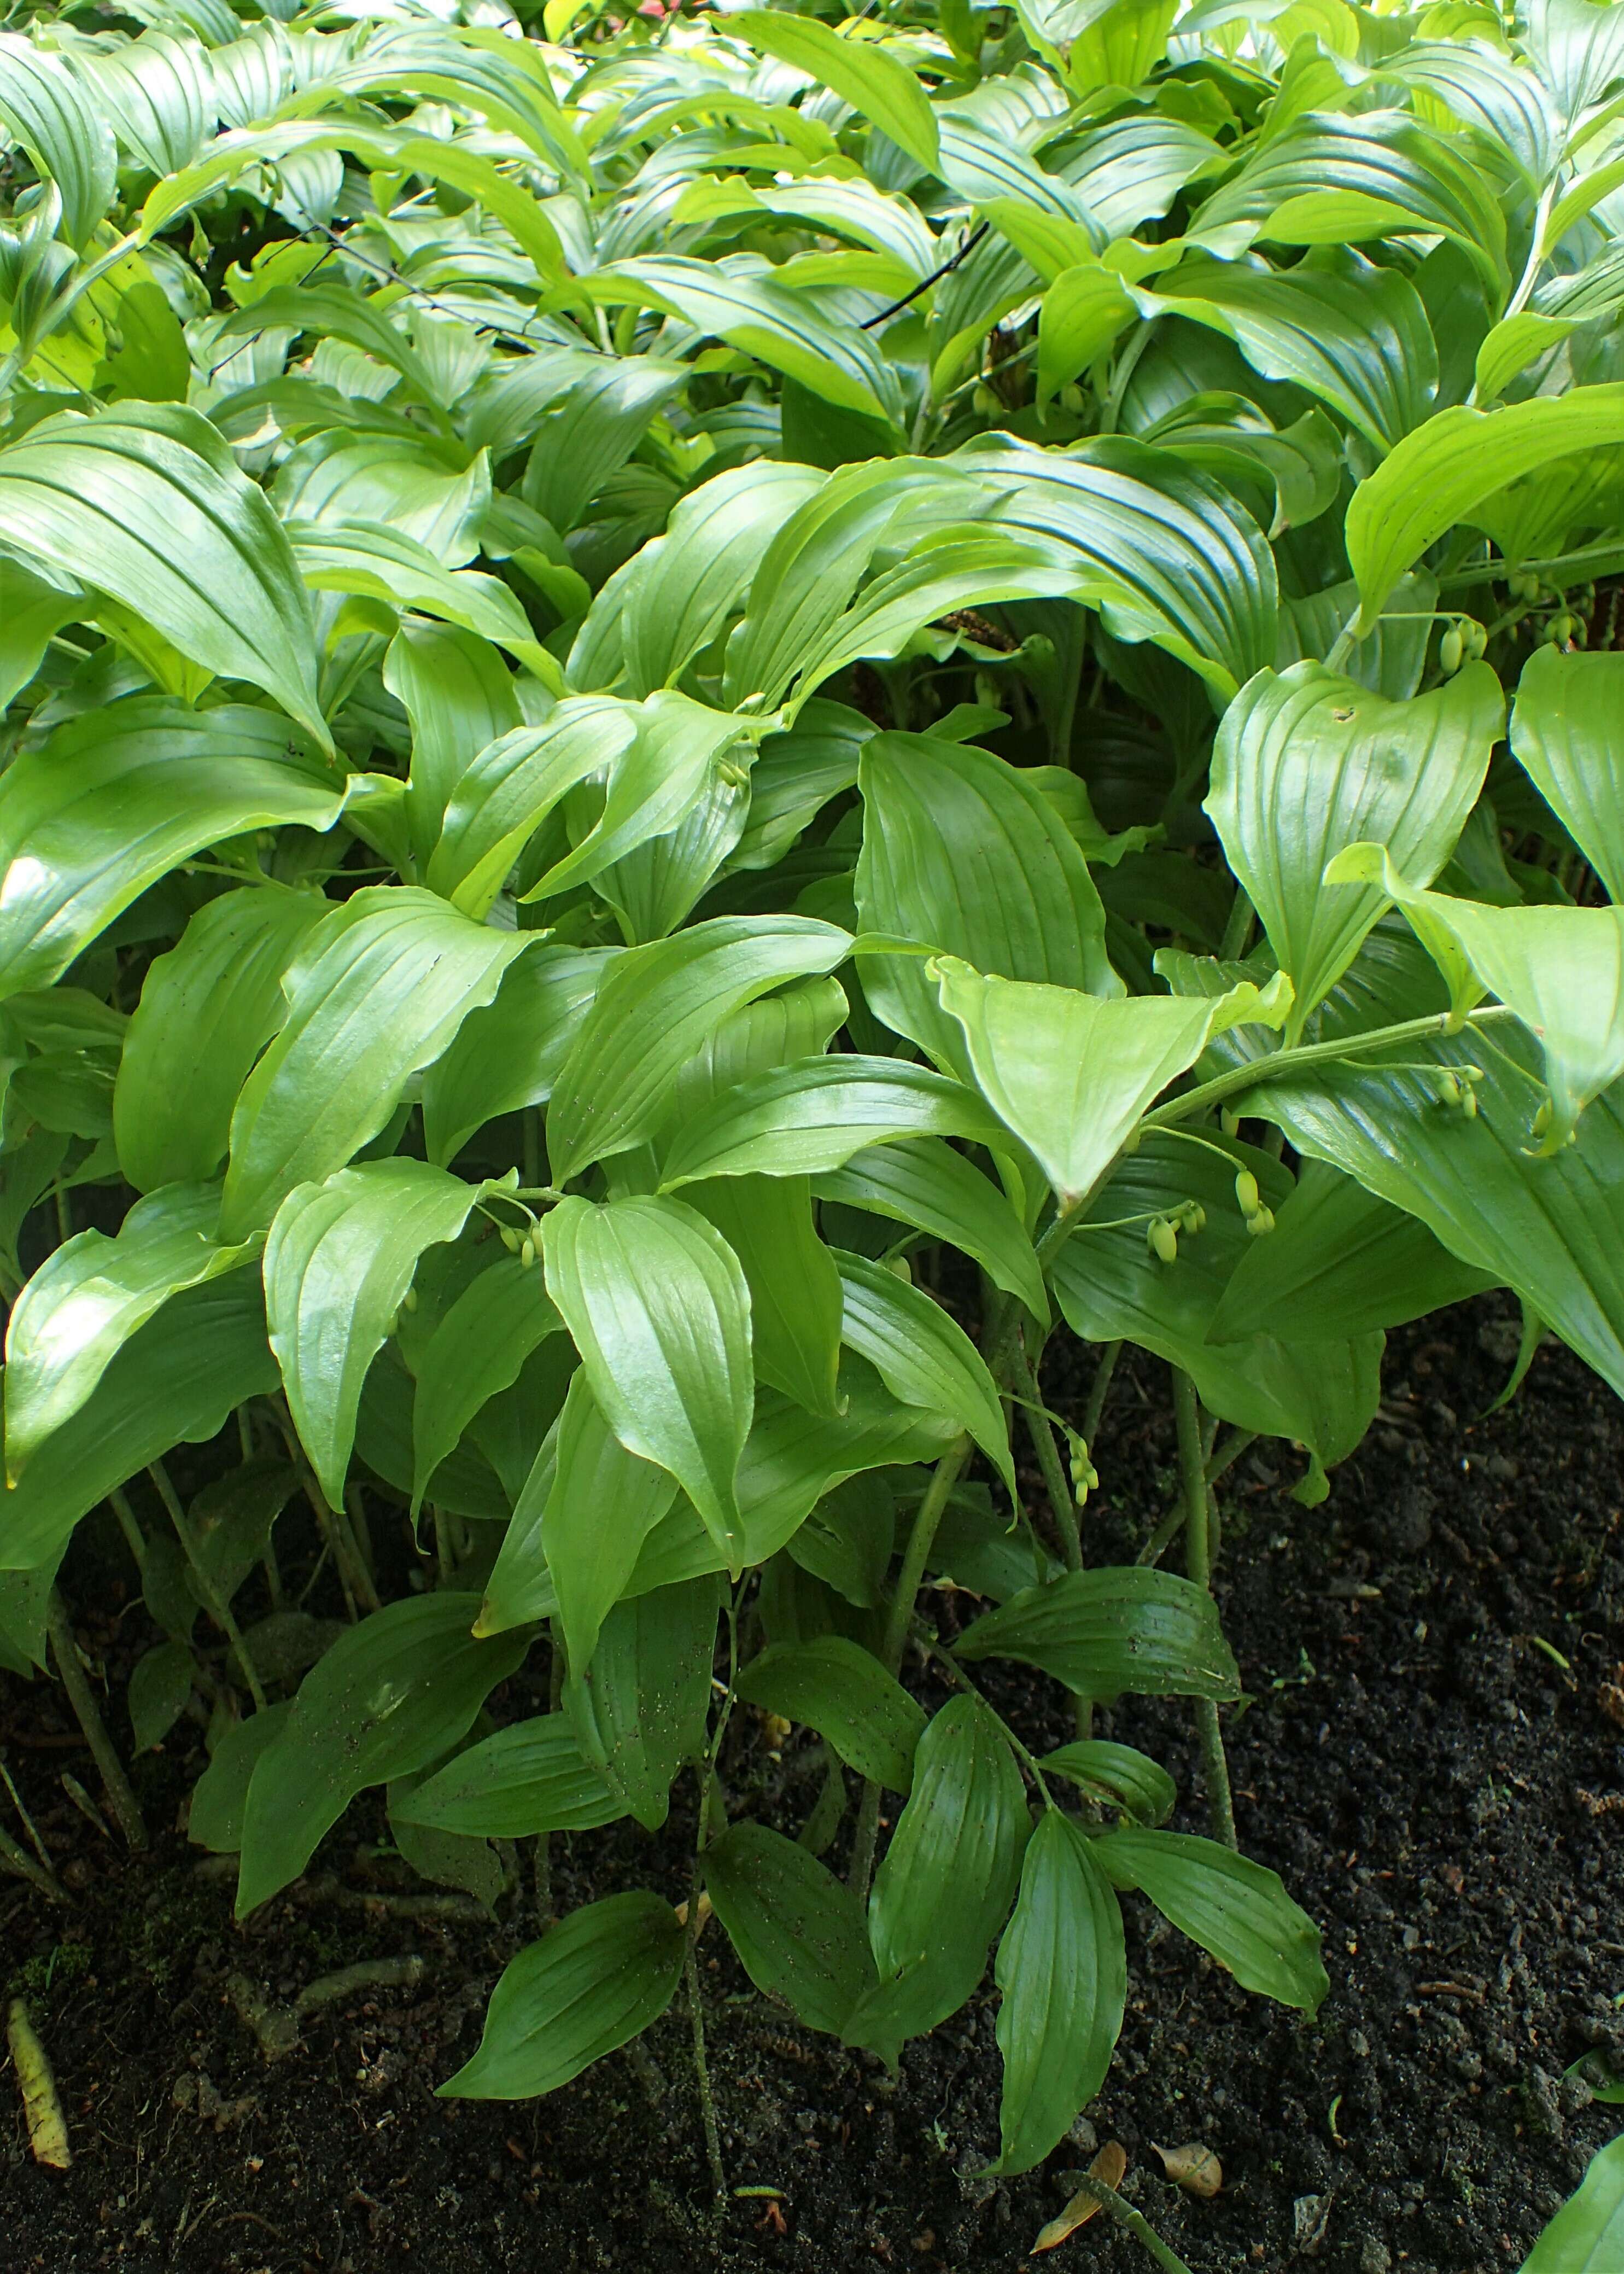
(1084, 310)
(861, 73)
(1567, 733)
(1307, 762)
(530, 1777)
(601, 1506)
(922, 1355)
(835, 1687)
(1122, 1629)
(812, 1116)
(376, 993)
(460, 697)
(1587, 2234)
(591, 1984)
(1063, 1969)
(88, 1299)
(922, 1183)
(507, 1055)
(379, 563)
(339, 1258)
(1232, 1907)
(658, 1306)
(796, 1303)
(477, 1351)
(62, 127)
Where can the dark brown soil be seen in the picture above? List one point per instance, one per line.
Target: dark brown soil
(1433, 1785)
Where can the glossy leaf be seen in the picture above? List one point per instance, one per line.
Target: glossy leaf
(1586, 2235)
(1235, 1908)
(601, 1505)
(798, 1930)
(1117, 1774)
(815, 1114)
(530, 1777)
(639, 1709)
(841, 1690)
(922, 1183)
(1567, 733)
(476, 1352)
(1122, 1628)
(922, 1355)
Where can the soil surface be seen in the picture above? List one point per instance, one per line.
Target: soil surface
(1433, 1757)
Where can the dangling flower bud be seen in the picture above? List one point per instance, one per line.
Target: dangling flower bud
(1249, 1198)
(1261, 1221)
(1450, 649)
(527, 1252)
(1162, 1240)
(1228, 1121)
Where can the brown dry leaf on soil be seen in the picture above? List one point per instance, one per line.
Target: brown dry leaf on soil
(1195, 2167)
(1110, 2167)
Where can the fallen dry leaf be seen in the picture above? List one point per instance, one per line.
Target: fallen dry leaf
(1110, 2167)
(1194, 2167)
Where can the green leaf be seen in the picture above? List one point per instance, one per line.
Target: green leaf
(848, 1538)
(947, 1879)
(56, 117)
(530, 1777)
(370, 560)
(113, 801)
(640, 1708)
(1307, 762)
(657, 1307)
(1119, 1629)
(391, 1695)
(861, 73)
(1587, 2234)
(507, 1055)
(477, 1351)
(1340, 1262)
(1063, 1969)
(159, 1686)
(841, 1690)
(923, 1356)
(1567, 734)
(1070, 1073)
(153, 495)
(1446, 471)
(797, 1929)
(339, 1258)
(964, 854)
(655, 1007)
(460, 697)
(174, 1382)
(796, 1300)
(219, 1796)
(812, 1116)
(601, 1505)
(922, 1183)
(88, 1299)
(1233, 1907)
(206, 1010)
(1117, 1774)
(375, 994)
(230, 1520)
(1084, 310)
(590, 1984)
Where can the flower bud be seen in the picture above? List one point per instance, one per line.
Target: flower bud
(510, 1239)
(1260, 1222)
(1228, 1121)
(409, 1300)
(1162, 1240)
(1248, 1198)
(527, 1252)
(1450, 649)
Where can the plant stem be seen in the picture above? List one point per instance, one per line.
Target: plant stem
(352, 1575)
(219, 1609)
(925, 1521)
(1062, 1500)
(1198, 1566)
(1099, 1388)
(705, 1772)
(11, 1850)
(121, 1797)
(546, 1912)
(18, 1860)
(1135, 2223)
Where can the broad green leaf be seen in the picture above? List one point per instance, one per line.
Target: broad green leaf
(530, 1777)
(601, 1506)
(847, 1539)
(1070, 1073)
(640, 1708)
(1587, 2234)
(797, 1930)
(219, 1796)
(56, 118)
(963, 854)
(375, 994)
(153, 495)
(1063, 1969)
(1567, 733)
(1084, 310)
(593, 430)
(1109, 1286)
(1307, 762)
(1117, 1774)
(379, 563)
(655, 1007)
(1446, 471)
(509, 788)
(206, 1010)
(1233, 1907)
(1513, 345)
(337, 478)
(590, 1984)
(339, 1258)
(113, 801)
(922, 1355)
(160, 1685)
(814, 1115)
(507, 1055)
(477, 1351)
(947, 1879)
(88, 1299)
(174, 1382)
(657, 1305)
(1340, 1262)
(862, 74)
(795, 1301)
(391, 1695)
(1123, 1629)
(459, 697)
(34, 610)
(922, 1183)
(230, 1520)
(841, 1690)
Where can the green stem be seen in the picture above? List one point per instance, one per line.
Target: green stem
(64, 1650)
(18, 1859)
(927, 1519)
(1198, 1566)
(1134, 2223)
(1099, 1389)
(955, 1673)
(1259, 1070)
(1062, 1500)
(219, 1609)
(705, 1771)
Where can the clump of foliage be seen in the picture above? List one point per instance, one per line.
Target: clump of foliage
(656, 686)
